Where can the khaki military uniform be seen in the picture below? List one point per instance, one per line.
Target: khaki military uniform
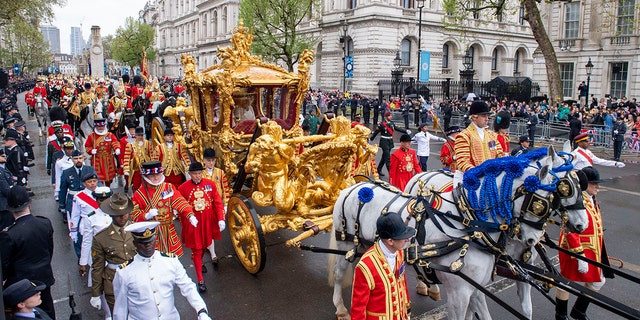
(111, 247)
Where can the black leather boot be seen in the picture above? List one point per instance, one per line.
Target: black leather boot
(579, 310)
(561, 309)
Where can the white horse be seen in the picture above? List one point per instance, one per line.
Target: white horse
(87, 115)
(505, 208)
(568, 205)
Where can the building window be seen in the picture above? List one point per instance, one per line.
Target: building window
(405, 53)
(566, 77)
(214, 22)
(476, 13)
(407, 4)
(516, 64)
(619, 74)
(626, 9)
(349, 47)
(204, 26)
(571, 20)
(494, 60)
(224, 20)
(351, 4)
(521, 15)
(445, 56)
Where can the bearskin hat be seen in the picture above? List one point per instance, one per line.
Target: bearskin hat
(57, 114)
(502, 120)
(137, 80)
(125, 78)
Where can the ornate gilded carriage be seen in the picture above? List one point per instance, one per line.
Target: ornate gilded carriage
(249, 112)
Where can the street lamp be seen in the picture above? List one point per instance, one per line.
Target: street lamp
(396, 74)
(420, 6)
(589, 67)
(468, 72)
(343, 40)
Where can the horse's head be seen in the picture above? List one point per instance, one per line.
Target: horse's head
(532, 203)
(568, 201)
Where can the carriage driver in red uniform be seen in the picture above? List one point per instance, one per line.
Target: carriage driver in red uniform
(379, 283)
(589, 244)
(157, 200)
(203, 196)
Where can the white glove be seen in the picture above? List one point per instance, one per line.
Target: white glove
(112, 115)
(194, 221)
(528, 122)
(117, 152)
(96, 302)
(25, 169)
(26, 154)
(151, 214)
(222, 225)
(615, 131)
(620, 164)
(73, 236)
(583, 266)
(408, 131)
(204, 316)
(94, 151)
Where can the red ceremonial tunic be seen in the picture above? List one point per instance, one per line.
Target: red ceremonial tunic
(403, 166)
(447, 155)
(136, 91)
(66, 131)
(589, 241)
(504, 142)
(220, 179)
(166, 199)
(207, 207)
(378, 292)
(103, 161)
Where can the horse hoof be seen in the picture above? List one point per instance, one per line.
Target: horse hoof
(435, 296)
(343, 316)
(422, 290)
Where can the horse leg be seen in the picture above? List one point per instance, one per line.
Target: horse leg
(524, 292)
(341, 278)
(478, 305)
(458, 295)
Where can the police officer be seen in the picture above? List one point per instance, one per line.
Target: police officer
(386, 128)
(24, 140)
(111, 247)
(6, 182)
(524, 146)
(71, 183)
(16, 161)
(619, 130)
(22, 299)
(143, 285)
(27, 247)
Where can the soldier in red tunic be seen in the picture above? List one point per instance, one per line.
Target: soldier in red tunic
(379, 282)
(404, 163)
(501, 127)
(157, 200)
(447, 153)
(40, 90)
(137, 89)
(135, 153)
(174, 158)
(207, 208)
(590, 244)
(102, 145)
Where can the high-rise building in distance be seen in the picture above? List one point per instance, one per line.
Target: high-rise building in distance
(52, 35)
(76, 41)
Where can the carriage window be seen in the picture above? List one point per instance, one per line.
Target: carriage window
(244, 107)
(215, 106)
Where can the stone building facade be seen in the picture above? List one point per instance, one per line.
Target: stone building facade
(376, 30)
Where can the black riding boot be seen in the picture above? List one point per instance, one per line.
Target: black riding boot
(561, 309)
(579, 310)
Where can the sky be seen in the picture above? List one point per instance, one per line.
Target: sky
(108, 15)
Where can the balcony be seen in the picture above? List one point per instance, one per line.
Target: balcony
(620, 40)
(566, 44)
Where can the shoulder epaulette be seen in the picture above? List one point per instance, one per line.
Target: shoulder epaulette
(126, 263)
(168, 255)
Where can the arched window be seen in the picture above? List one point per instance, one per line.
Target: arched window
(445, 56)
(470, 54)
(224, 20)
(214, 22)
(204, 26)
(405, 52)
(494, 60)
(516, 63)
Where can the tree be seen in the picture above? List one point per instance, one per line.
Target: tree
(27, 10)
(275, 27)
(107, 41)
(131, 40)
(458, 12)
(25, 44)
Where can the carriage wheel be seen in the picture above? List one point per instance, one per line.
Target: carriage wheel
(157, 131)
(246, 234)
